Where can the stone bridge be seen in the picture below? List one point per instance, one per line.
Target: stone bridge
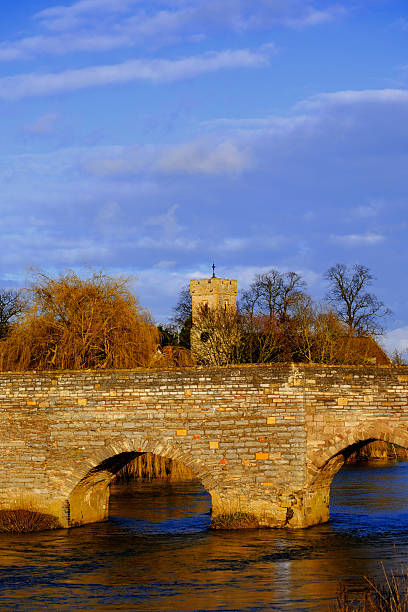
(263, 439)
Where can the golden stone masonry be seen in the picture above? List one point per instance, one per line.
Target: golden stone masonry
(72, 432)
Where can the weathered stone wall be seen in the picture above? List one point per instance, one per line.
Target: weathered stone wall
(262, 439)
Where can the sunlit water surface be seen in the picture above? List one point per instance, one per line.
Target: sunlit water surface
(157, 554)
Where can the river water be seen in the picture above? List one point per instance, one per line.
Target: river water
(157, 554)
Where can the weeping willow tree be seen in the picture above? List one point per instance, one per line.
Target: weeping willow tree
(74, 323)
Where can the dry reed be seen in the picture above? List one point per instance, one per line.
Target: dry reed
(235, 520)
(151, 466)
(388, 595)
(23, 515)
(379, 449)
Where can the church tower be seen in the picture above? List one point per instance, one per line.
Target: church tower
(213, 294)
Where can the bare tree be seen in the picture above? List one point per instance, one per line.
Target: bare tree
(319, 332)
(181, 320)
(261, 340)
(12, 304)
(268, 309)
(182, 310)
(399, 357)
(359, 309)
(273, 293)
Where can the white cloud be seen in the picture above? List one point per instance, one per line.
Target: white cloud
(239, 15)
(170, 244)
(166, 222)
(84, 7)
(234, 244)
(313, 17)
(319, 114)
(119, 161)
(401, 23)
(98, 25)
(372, 209)
(155, 70)
(396, 339)
(201, 157)
(335, 131)
(351, 240)
(352, 97)
(164, 264)
(62, 44)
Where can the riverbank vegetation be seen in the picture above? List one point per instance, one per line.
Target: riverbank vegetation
(235, 520)
(379, 450)
(389, 594)
(149, 466)
(23, 515)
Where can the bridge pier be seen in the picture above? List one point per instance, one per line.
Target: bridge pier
(311, 508)
(91, 504)
(87, 505)
(295, 510)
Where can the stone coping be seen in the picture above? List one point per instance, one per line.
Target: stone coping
(200, 368)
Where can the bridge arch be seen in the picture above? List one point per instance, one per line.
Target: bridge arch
(324, 464)
(355, 436)
(87, 484)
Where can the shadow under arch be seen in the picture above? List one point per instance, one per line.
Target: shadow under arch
(88, 501)
(325, 463)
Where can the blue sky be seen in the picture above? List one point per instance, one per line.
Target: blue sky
(151, 138)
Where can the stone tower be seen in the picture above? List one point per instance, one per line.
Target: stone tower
(212, 294)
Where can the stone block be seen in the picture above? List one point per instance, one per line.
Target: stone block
(261, 456)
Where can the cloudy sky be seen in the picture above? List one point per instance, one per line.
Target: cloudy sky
(153, 137)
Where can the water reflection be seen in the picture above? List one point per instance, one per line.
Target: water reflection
(156, 552)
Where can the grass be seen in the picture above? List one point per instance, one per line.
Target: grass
(24, 516)
(387, 595)
(234, 520)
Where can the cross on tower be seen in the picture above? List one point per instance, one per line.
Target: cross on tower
(213, 269)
